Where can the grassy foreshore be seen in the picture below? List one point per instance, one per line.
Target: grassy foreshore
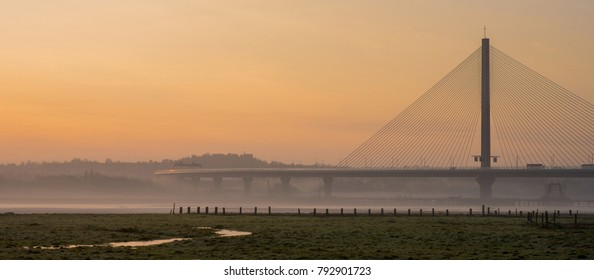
(294, 237)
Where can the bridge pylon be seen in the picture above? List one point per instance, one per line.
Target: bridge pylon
(485, 183)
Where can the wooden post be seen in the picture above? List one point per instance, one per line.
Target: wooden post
(409, 211)
(216, 210)
(255, 210)
(394, 211)
(314, 211)
(447, 212)
(488, 211)
(240, 210)
(421, 212)
(521, 213)
(575, 221)
(198, 210)
(483, 209)
(298, 211)
(432, 211)
(382, 211)
(326, 211)
(470, 213)
(546, 219)
(206, 210)
(188, 210)
(369, 212)
(223, 210)
(355, 211)
(570, 212)
(269, 210)
(341, 211)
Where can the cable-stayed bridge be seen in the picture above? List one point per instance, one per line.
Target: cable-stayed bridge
(490, 117)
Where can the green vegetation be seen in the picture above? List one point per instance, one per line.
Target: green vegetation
(294, 237)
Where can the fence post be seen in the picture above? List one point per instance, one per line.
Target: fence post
(394, 211)
(382, 211)
(421, 212)
(326, 211)
(355, 211)
(546, 219)
(369, 212)
(432, 211)
(470, 213)
(483, 209)
(409, 211)
(240, 210)
(181, 210)
(269, 210)
(198, 210)
(216, 210)
(255, 210)
(206, 210)
(575, 221)
(314, 211)
(341, 211)
(188, 209)
(223, 210)
(447, 212)
(298, 211)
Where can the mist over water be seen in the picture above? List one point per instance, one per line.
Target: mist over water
(81, 186)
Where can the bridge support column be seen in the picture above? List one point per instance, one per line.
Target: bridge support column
(485, 184)
(285, 184)
(247, 185)
(218, 181)
(328, 186)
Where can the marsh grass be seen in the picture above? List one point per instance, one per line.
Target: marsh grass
(295, 237)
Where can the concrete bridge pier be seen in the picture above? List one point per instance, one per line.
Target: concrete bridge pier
(285, 181)
(247, 185)
(485, 184)
(218, 181)
(327, 186)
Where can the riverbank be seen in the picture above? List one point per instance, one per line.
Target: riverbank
(294, 237)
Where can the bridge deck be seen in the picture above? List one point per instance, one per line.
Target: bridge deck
(350, 172)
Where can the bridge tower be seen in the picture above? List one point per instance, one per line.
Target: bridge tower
(486, 182)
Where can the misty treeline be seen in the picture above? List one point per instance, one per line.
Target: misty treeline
(79, 177)
(139, 170)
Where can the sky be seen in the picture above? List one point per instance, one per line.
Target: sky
(292, 81)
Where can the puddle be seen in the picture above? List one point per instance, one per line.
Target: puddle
(113, 244)
(231, 233)
(219, 232)
(145, 243)
(228, 232)
(58, 247)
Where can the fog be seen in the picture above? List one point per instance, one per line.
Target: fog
(90, 186)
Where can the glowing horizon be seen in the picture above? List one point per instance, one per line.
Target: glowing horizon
(292, 82)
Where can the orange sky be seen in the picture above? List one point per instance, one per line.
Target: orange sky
(294, 81)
